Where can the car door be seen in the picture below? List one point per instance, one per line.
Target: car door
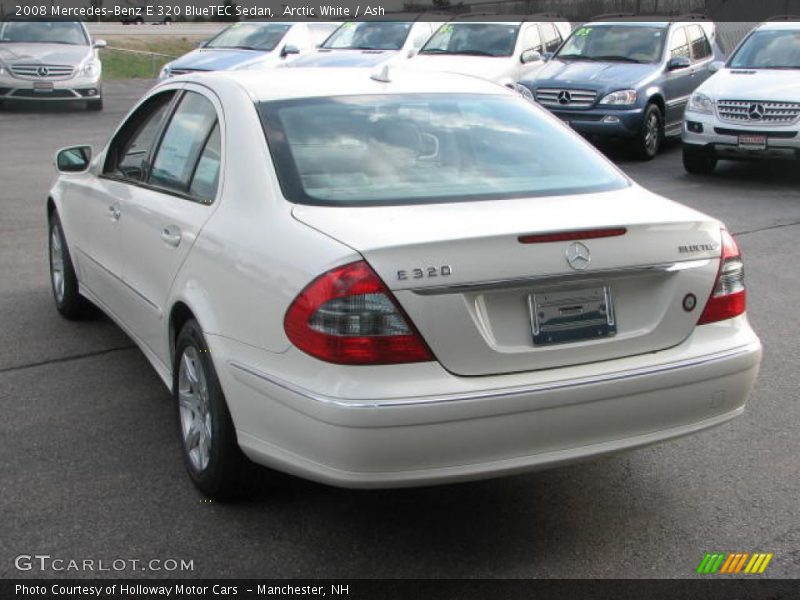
(678, 83)
(105, 199)
(702, 54)
(530, 40)
(165, 216)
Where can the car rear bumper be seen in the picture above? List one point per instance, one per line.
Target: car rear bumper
(438, 438)
(722, 139)
(623, 123)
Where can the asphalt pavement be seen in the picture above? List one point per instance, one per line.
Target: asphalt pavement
(90, 462)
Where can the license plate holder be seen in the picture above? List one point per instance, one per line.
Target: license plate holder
(43, 86)
(753, 142)
(571, 315)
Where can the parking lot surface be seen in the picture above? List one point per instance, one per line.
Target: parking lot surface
(90, 465)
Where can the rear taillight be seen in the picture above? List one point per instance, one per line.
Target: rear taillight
(348, 316)
(728, 298)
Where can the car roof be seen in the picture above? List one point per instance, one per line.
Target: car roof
(772, 25)
(284, 84)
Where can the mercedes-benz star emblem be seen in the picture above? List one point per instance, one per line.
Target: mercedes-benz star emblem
(756, 112)
(564, 97)
(42, 71)
(578, 256)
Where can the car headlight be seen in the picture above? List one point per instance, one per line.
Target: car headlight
(700, 103)
(91, 68)
(620, 98)
(4, 69)
(523, 91)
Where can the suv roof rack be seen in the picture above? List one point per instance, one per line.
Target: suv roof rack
(509, 17)
(783, 18)
(697, 15)
(611, 15)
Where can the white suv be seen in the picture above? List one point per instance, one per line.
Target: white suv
(501, 52)
(750, 108)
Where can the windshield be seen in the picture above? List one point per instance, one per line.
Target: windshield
(250, 36)
(369, 36)
(43, 32)
(769, 49)
(624, 43)
(426, 148)
(479, 39)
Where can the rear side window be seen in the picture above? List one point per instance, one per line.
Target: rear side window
(701, 49)
(426, 148)
(183, 148)
(679, 45)
(130, 149)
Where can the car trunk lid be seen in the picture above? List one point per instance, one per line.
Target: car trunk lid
(486, 303)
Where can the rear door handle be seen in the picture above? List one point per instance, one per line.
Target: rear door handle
(171, 235)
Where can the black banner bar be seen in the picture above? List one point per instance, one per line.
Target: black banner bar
(390, 589)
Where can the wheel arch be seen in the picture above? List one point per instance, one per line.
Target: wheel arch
(657, 98)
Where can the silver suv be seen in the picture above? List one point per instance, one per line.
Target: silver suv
(49, 60)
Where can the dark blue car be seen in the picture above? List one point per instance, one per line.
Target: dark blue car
(627, 80)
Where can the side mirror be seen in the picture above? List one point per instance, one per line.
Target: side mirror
(412, 53)
(529, 56)
(715, 66)
(75, 159)
(99, 44)
(678, 62)
(289, 49)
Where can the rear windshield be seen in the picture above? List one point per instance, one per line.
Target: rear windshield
(416, 149)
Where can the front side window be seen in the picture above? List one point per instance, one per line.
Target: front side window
(551, 38)
(679, 44)
(769, 49)
(623, 43)
(181, 152)
(531, 39)
(43, 32)
(129, 151)
(478, 39)
(701, 49)
(428, 148)
(368, 36)
(250, 36)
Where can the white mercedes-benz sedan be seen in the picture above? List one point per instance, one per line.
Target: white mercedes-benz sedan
(396, 279)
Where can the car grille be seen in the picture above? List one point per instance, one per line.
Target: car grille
(566, 98)
(38, 71)
(753, 111)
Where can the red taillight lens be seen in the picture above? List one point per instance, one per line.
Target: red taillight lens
(728, 299)
(348, 316)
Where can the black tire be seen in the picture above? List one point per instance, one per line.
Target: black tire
(698, 160)
(94, 105)
(225, 472)
(651, 134)
(63, 281)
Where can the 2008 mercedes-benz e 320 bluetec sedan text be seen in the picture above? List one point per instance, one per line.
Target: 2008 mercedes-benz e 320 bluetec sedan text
(396, 279)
